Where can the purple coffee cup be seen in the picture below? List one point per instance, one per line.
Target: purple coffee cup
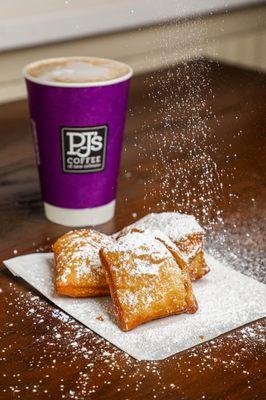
(78, 131)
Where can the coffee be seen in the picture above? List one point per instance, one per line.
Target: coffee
(77, 111)
(77, 70)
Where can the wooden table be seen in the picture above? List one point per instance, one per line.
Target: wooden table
(184, 125)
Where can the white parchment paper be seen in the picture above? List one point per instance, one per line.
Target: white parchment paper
(227, 299)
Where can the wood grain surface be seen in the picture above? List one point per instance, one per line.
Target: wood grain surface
(195, 141)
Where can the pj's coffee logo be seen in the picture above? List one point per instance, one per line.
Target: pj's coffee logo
(84, 149)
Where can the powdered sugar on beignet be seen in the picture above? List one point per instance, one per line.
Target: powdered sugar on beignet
(78, 266)
(145, 280)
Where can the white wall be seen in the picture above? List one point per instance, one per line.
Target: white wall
(238, 37)
(31, 22)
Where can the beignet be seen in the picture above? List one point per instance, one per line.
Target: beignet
(145, 280)
(184, 231)
(78, 266)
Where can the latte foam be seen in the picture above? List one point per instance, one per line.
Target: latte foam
(77, 70)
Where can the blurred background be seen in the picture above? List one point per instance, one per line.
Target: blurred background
(147, 34)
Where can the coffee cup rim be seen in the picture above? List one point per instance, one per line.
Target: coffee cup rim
(75, 84)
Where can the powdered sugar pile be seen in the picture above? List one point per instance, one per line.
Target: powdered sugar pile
(171, 228)
(143, 246)
(173, 224)
(241, 241)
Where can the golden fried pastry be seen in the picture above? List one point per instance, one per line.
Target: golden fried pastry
(78, 266)
(184, 231)
(145, 280)
(192, 249)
